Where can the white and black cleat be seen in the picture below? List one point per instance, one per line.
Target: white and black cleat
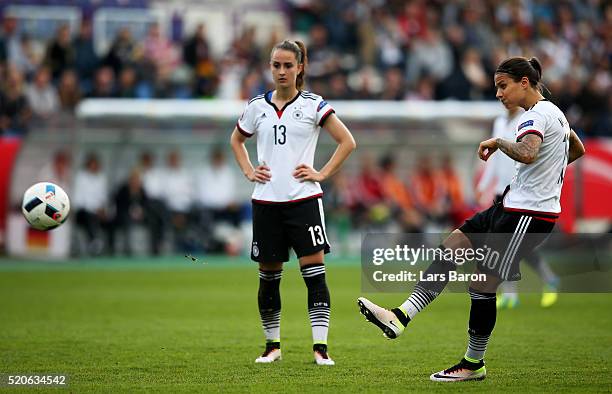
(269, 356)
(321, 356)
(383, 318)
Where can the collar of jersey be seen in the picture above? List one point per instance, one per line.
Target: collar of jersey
(544, 99)
(279, 112)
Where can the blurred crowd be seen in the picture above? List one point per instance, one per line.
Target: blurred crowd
(385, 197)
(367, 49)
(173, 207)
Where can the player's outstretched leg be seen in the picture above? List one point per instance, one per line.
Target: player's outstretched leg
(269, 302)
(392, 322)
(483, 314)
(318, 310)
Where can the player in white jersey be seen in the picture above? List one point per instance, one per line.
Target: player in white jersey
(287, 207)
(512, 227)
(498, 174)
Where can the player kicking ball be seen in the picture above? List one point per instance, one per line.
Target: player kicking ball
(513, 226)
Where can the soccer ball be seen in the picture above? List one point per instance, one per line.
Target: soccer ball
(45, 206)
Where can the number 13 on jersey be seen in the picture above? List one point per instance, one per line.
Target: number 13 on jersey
(280, 134)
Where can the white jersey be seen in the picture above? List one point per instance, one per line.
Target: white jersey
(536, 188)
(285, 138)
(500, 168)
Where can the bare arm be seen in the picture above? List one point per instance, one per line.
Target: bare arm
(576, 148)
(346, 144)
(524, 151)
(260, 174)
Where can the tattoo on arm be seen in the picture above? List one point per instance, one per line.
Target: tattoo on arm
(525, 151)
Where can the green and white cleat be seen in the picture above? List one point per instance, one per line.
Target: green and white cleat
(549, 296)
(271, 354)
(463, 371)
(388, 321)
(507, 301)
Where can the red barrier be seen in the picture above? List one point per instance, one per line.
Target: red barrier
(9, 147)
(587, 187)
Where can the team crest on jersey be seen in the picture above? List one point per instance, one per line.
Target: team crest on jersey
(297, 114)
(255, 250)
(525, 124)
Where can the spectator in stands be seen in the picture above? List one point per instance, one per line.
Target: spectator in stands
(457, 85)
(216, 197)
(230, 86)
(196, 54)
(90, 201)
(340, 199)
(86, 60)
(593, 100)
(431, 55)
(425, 90)
(412, 21)
(3, 49)
(162, 85)
(453, 192)
(178, 198)
(104, 84)
(337, 88)
(127, 84)
(397, 197)
(42, 95)
(370, 204)
(15, 113)
(427, 191)
(253, 84)
(216, 188)
(131, 206)
(321, 56)
(367, 84)
(24, 56)
(159, 52)
(153, 181)
(245, 48)
(389, 40)
(58, 171)
(69, 91)
(478, 32)
(394, 86)
(123, 51)
(10, 40)
(60, 52)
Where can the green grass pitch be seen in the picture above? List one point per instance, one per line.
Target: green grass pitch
(170, 325)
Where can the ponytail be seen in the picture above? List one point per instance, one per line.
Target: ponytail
(299, 82)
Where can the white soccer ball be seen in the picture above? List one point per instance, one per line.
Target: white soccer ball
(45, 206)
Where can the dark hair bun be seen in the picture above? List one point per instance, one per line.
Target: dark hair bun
(535, 63)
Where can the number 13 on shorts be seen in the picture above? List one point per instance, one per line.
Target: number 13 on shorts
(317, 235)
